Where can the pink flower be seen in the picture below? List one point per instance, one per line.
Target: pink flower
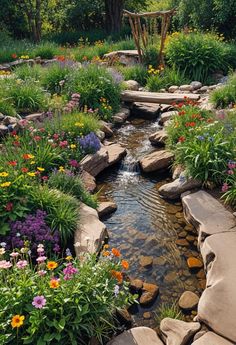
(55, 136)
(76, 96)
(42, 273)
(39, 302)
(73, 163)
(63, 143)
(40, 250)
(230, 172)
(225, 187)
(14, 254)
(21, 264)
(5, 264)
(41, 259)
(69, 271)
(231, 165)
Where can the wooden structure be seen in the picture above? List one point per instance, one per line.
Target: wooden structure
(140, 32)
(155, 97)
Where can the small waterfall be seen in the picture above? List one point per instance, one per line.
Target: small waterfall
(129, 171)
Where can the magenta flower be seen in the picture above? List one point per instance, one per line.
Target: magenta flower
(225, 187)
(5, 264)
(69, 271)
(21, 264)
(39, 302)
(73, 163)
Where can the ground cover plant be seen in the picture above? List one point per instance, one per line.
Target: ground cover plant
(62, 299)
(226, 95)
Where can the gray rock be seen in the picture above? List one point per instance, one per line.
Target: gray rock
(115, 153)
(158, 138)
(35, 117)
(167, 116)
(177, 171)
(106, 208)
(173, 190)
(188, 301)
(100, 134)
(137, 336)
(157, 160)
(90, 233)
(217, 304)
(121, 116)
(196, 85)
(131, 85)
(95, 163)
(203, 89)
(177, 332)
(210, 338)
(146, 110)
(173, 88)
(186, 88)
(207, 214)
(9, 120)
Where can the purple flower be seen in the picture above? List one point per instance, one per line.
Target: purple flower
(200, 137)
(39, 302)
(116, 290)
(69, 271)
(74, 163)
(90, 143)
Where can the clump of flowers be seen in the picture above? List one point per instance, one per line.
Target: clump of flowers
(73, 104)
(33, 230)
(90, 143)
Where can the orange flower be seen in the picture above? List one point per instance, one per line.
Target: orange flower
(125, 264)
(24, 170)
(12, 163)
(14, 56)
(115, 252)
(54, 283)
(17, 321)
(106, 246)
(51, 265)
(117, 275)
(106, 253)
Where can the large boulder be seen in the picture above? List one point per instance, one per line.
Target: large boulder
(90, 233)
(156, 160)
(188, 301)
(95, 163)
(207, 214)
(210, 338)
(158, 138)
(167, 116)
(217, 305)
(173, 190)
(177, 332)
(146, 110)
(115, 153)
(137, 336)
(89, 181)
(131, 85)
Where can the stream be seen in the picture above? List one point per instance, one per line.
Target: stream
(146, 225)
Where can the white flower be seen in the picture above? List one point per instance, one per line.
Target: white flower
(17, 234)
(2, 251)
(3, 244)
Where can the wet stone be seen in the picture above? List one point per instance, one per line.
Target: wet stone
(190, 238)
(182, 242)
(170, 277)
(194, 262)
(146, 261)
(147, 315)
(136, 284)
(201, 274)
(188, 301)
(182, 234)
(160, 261)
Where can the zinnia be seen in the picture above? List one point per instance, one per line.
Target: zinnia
(125, 264)
(39, 302)
(115, 252)
(17, 321)
(54, 283)
(51, 265)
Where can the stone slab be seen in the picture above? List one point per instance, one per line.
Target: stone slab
(137, 336)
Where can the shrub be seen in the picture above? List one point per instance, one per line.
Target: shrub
(195, 54)
(150, 55)
(25, 72)
(60, 301)
(96, 88)
(164, 79)
(62, 210)
(27, 96)
(70, 183)
(225, 95)
(136, 72)
(54, 77)
(32, 230)
(14, 50)
(46, 50)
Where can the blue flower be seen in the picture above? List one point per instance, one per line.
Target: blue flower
(90, 143)
(200, 137)
(211, 139)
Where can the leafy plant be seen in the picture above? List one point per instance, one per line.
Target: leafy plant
(60, 301)
(26, 71)
(54, 77)
(70, 183)
(136, 72)
(46, 50)
(169, 310)
(166, 78)
(225, 95)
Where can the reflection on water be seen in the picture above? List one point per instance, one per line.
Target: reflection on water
(146, 225)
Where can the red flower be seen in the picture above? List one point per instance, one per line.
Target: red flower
(16, 143)
(14, 56)
(182, 112)
(12, 163)
(42, 130)
(180, 105)
(190, 124)
(9, 206)
(24, 170)
(61, 58)
(13, 133)
(37, 138)
(181, 139)
(26, 156)
(44, 178)
(55, 136)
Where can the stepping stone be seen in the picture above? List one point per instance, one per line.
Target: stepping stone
(137, 336)
(188, 301)
(157, 160)
(210, 338)
(106, 208)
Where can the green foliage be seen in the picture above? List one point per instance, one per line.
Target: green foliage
(169, 310)
(76, 307)
(52, 77)
(46, 50)
(26, 71)
(62, 210)
(70, 183)
(168, 77)
(195, 54)
(136, 72)
(225, 95)
(150, 55)
(95, 83)
(26, 96)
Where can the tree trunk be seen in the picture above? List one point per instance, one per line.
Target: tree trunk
(114, 9)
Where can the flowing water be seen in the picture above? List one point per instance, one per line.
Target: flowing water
(146, 225)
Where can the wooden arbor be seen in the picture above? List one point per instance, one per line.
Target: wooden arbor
(140, 32)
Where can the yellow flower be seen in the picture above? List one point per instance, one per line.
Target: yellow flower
(32, 162)
(69, 257)
(17, 321)
(61, 169)
(2, 251)
(54, 283)
(32, 174)
(40, 169)
(5, 184)
(4, 174)
(72, 146)
(31, 156)
(51, 265)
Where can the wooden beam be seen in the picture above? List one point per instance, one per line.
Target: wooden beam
(155, 97)
(149, 14)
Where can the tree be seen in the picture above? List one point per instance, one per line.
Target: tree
(32, 10)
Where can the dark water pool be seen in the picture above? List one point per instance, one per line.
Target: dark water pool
(146, 225)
